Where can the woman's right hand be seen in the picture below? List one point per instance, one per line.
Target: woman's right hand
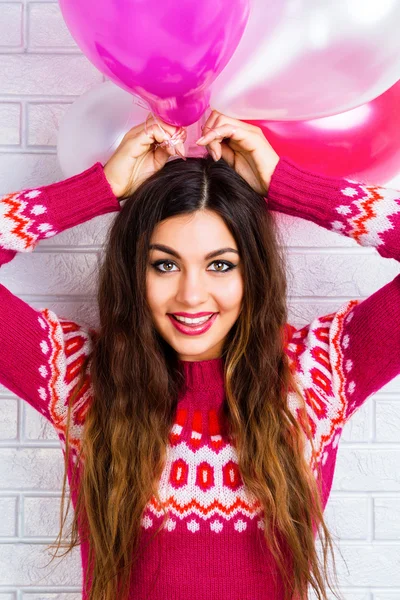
(136, 158)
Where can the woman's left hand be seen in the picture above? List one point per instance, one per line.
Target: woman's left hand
(243, 146)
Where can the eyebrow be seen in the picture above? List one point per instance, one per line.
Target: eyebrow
(212, 254)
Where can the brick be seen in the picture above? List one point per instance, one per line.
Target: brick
(11, 24)
(387, 420)
(36, 426)
(392, 387)
(347, 517)
(301, 313)
(31, 469)
(60, 596)
(8, 511)
(338, 274)
(357, 429)
(38, 74)
(300, 232)
(4, 392)
(42, 517)
(345, 595)
(25, 564)
(368, 564)
(387, 518)
(367, 470)
(65, 273)
(47, 28)
(10, 119)
(44, 122)
(8, 419)
(22, 170)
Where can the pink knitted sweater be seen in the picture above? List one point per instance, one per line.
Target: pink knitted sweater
(212, 546)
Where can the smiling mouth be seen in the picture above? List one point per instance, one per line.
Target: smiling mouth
(193, 328)
(198, 323)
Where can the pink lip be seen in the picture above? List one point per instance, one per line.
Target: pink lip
(182, 328)
(192, 315)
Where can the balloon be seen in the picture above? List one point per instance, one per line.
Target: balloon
(165, 51)
(361, 144)
(317, 58)
(94, 125)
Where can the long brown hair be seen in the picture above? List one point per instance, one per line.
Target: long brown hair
(131, 368)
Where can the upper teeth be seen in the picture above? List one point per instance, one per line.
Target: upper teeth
(198, 320)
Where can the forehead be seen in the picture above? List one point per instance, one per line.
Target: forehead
(199, 232)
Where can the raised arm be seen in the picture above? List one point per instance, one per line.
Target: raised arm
(34, 344)
(28, 216)
(369, 214)
(355, 351)
(40, 353)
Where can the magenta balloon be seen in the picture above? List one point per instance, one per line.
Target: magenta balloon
(361, 144)
(165, 51)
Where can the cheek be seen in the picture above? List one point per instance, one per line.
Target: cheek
(157, 293)
(231, 294)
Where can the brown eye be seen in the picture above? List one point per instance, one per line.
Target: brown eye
(157, 264)
(229, 266)
(220, 263)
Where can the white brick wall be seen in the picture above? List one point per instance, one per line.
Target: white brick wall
(41, 72)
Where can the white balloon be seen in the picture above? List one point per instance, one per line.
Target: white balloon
(316, 58)
(93, 127)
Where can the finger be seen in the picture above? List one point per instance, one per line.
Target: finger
(217, 119)
(154, 134)
(174, 140)
(180, 149)
(214, 138)
(150, 121)
(228, 155)
(231, 132)
(161, 156)
(210, 123)
(215, 122)
(140, 142)
(214, 148)
(164, 128)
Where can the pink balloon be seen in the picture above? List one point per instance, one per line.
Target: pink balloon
(361, 144)
(165, 51)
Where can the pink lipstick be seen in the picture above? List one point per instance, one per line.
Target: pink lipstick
(192, 329)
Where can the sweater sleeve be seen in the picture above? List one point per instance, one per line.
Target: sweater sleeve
(40, 354)
(354, 352)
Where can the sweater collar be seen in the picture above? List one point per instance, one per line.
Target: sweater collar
(200, 410)
(203, 375)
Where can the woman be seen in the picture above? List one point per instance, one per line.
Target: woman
(200, 451)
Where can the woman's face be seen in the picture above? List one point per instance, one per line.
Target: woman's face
(184, 280)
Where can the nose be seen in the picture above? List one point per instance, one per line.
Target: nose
(192, 289)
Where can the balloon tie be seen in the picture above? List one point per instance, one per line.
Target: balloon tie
(178, 137)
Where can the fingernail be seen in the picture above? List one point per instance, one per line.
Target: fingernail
(200, 139)
(214, 155)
